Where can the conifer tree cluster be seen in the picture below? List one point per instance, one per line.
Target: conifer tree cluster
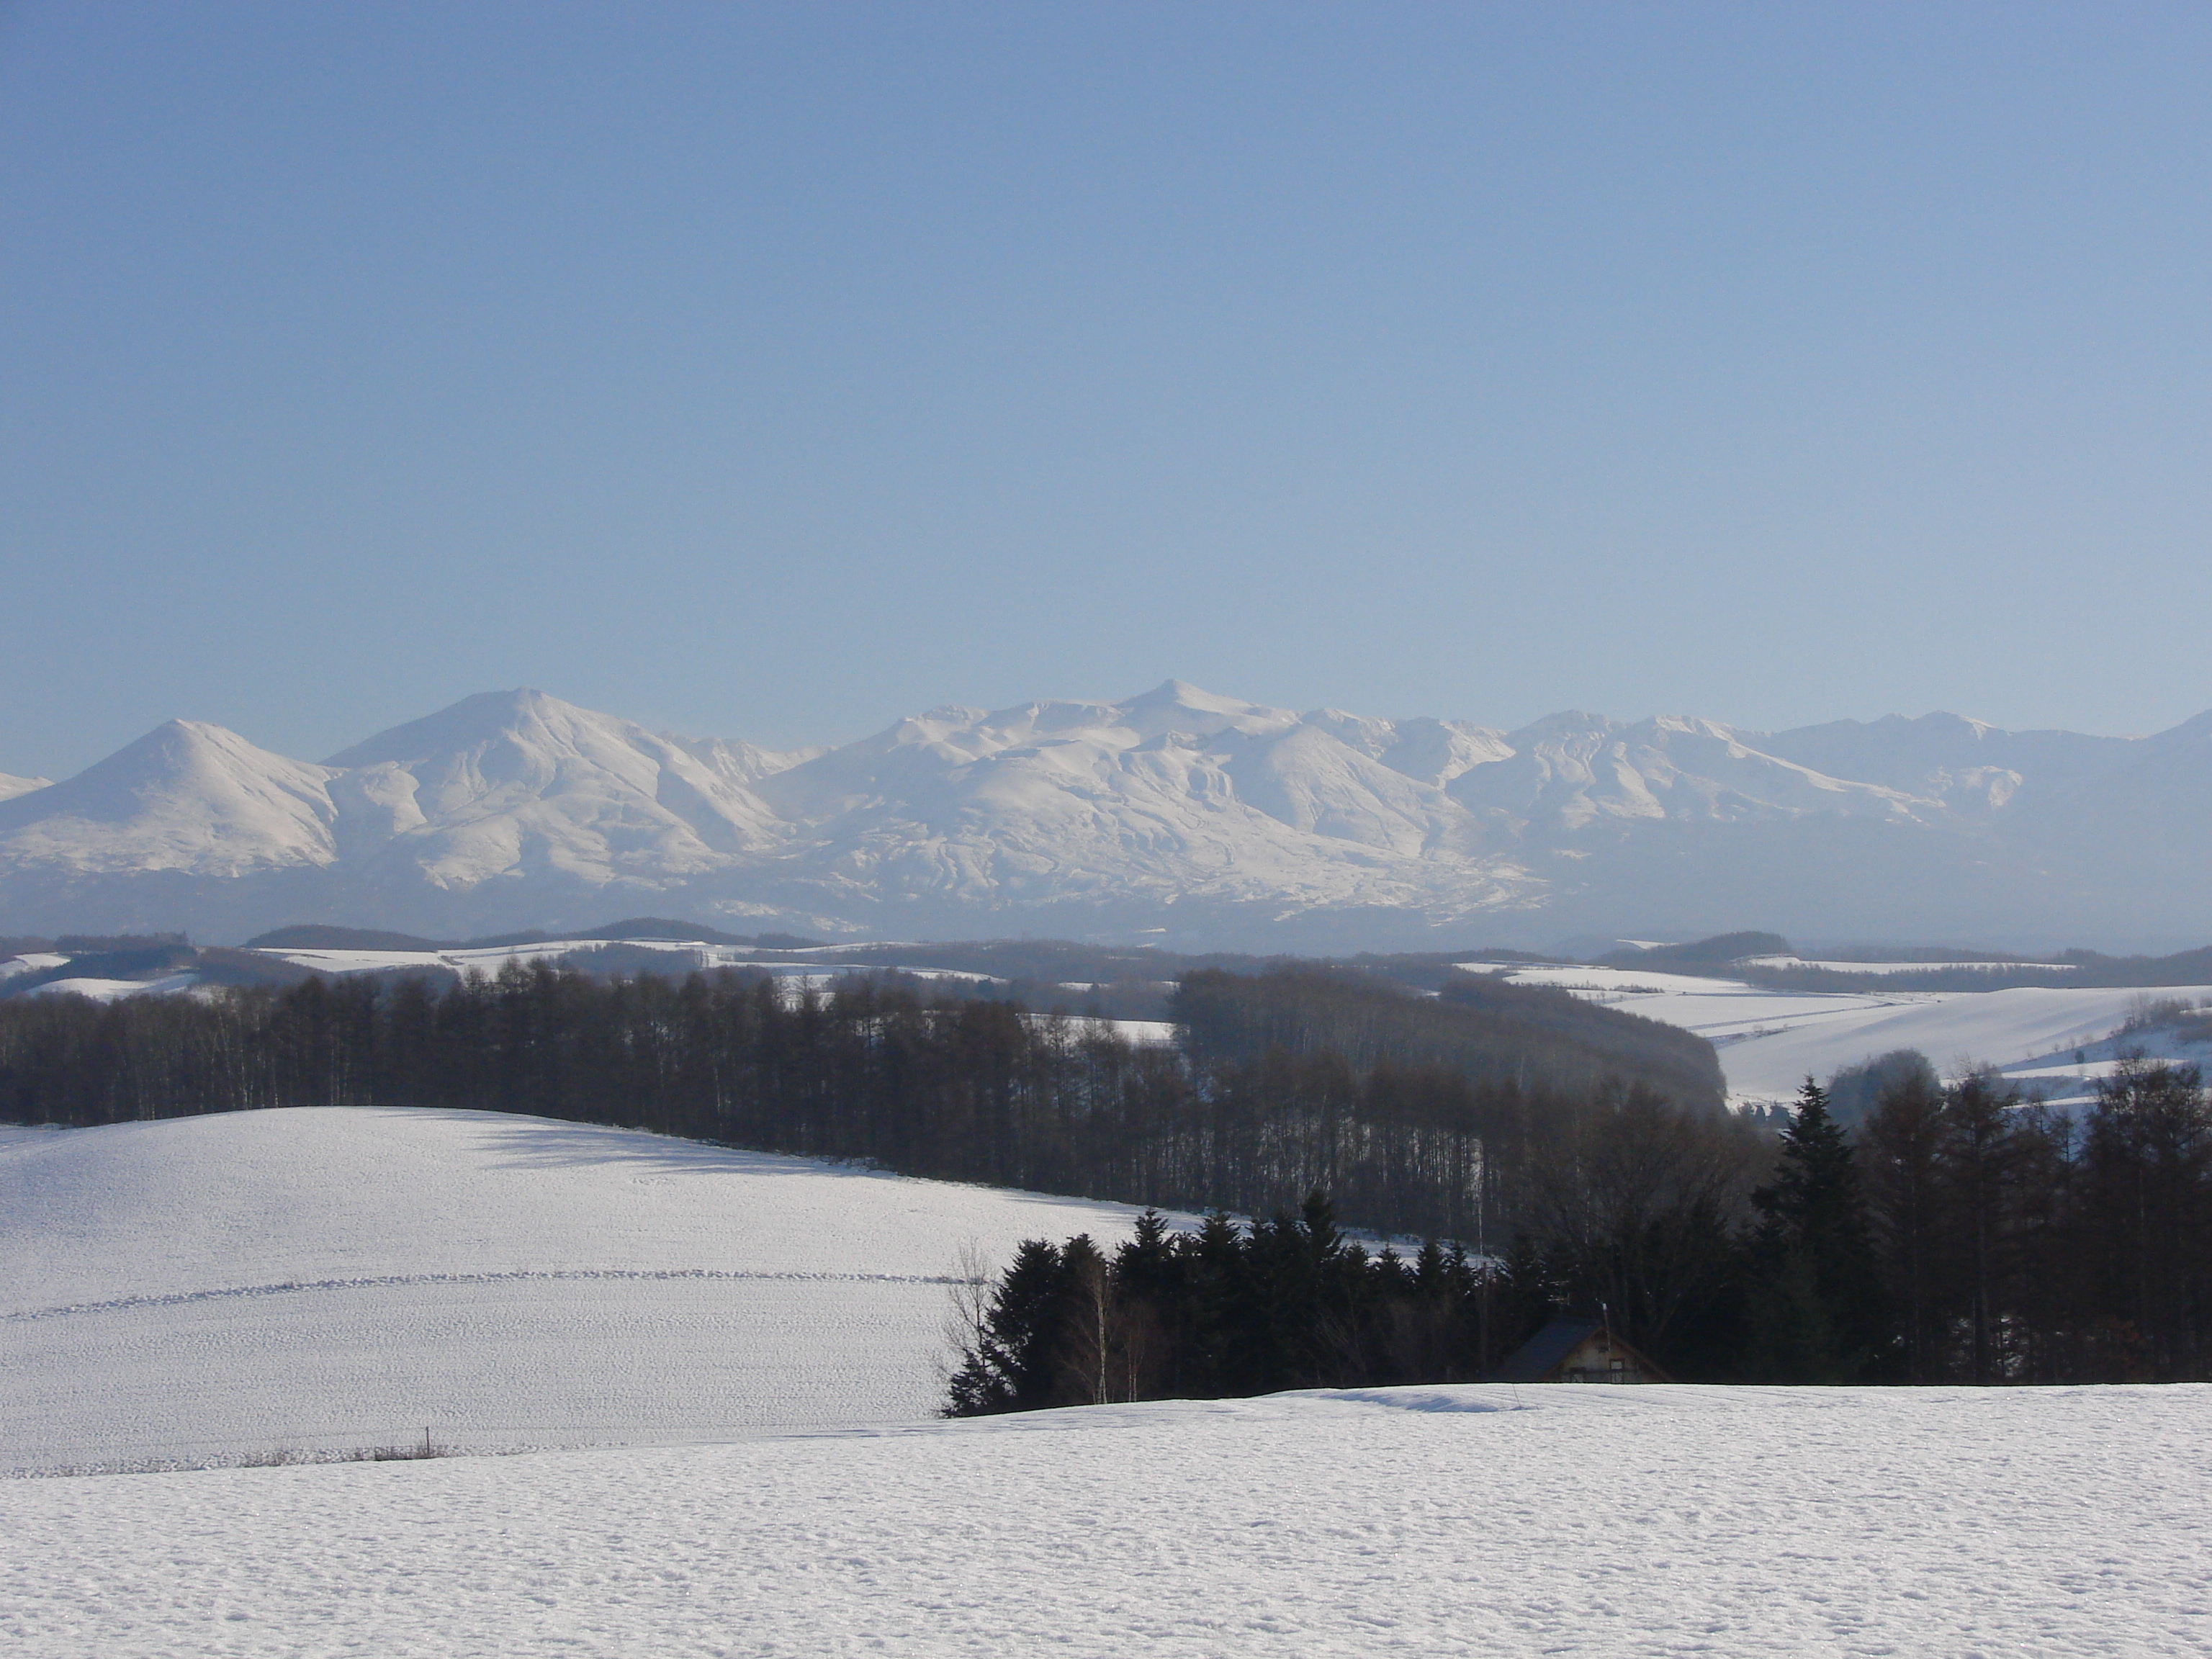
(1225, 1311)
(1964, 1236)
(1961, 1234)
(2013, 1243)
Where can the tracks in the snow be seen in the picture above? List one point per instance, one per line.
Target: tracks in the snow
(516, 1276)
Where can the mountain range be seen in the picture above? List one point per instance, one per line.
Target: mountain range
(1178, 817)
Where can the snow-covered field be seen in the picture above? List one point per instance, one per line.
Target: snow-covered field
(1769, 1042)
(204, 1288)
(683, 958)
(1472, 1519)
(1886, 968)
(739, 1349)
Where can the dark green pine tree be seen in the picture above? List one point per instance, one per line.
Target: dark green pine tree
(1013, 1363)
(1816, 1305)
(1216, 1283)
(1524, 1295)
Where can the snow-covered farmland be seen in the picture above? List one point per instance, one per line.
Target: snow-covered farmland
(110, 990)
(682, 957)
(203, 1288)
(1769, 1042)
(1449, 1520)
(1886, 968)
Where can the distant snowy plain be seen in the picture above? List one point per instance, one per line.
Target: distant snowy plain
(1449, 1520)
(1769, 1042)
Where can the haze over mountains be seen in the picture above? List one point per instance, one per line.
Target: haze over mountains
(1178, 816)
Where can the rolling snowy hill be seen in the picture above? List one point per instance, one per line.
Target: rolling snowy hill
(199, 1289)
(1179, 815)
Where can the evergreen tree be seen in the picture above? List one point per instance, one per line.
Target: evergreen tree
(2147, 1214)
(1014, 1364)
(1985, 1143)
(1816, 1304)
(1903, 1150)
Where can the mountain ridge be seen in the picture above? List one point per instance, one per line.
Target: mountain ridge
(1177, 813)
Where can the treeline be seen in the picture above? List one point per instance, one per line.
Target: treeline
(961, 1090)
(1962, 1235)
(2011, 1243)
(1959, 1234)
(1476, 1027)
(1227, 1311)
(1962, 1238)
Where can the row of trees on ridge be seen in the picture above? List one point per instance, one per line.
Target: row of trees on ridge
(1955, 1233)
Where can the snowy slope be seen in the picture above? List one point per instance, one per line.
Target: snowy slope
(1970, 765)
(1181, 815)
(741, 763)
(1754, 1523)
(11, 786)
(1769, 1042)
(206, 1287)
(1571, 770)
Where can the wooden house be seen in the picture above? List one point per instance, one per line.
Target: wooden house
(1577, 1351)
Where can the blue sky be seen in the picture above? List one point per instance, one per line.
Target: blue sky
(772, 370)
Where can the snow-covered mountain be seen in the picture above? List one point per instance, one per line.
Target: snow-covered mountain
(187, 797)
(515, 782)
(1178, 815)
(1968, 765)
(1569, 771)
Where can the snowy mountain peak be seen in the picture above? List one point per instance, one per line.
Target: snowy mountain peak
(11, 786)
(522, 717)
(1181, 694)
(1180, 707)
(187, 796)
(499, 784)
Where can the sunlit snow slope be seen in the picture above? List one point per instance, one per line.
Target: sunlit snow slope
(206, 1287)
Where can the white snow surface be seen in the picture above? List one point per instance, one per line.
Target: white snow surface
(1769, 1042)
(12, 786)
(203, 1288)
(1887, 969)
(109, 990)
(1433, 1521)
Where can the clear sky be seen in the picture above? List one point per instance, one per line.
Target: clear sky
(775, 370)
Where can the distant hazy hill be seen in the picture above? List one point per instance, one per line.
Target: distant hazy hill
(1178, 817)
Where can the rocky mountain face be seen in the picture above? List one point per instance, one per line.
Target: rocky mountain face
(1178, 816)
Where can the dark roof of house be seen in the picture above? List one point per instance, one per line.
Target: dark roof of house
(1534, 1360)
